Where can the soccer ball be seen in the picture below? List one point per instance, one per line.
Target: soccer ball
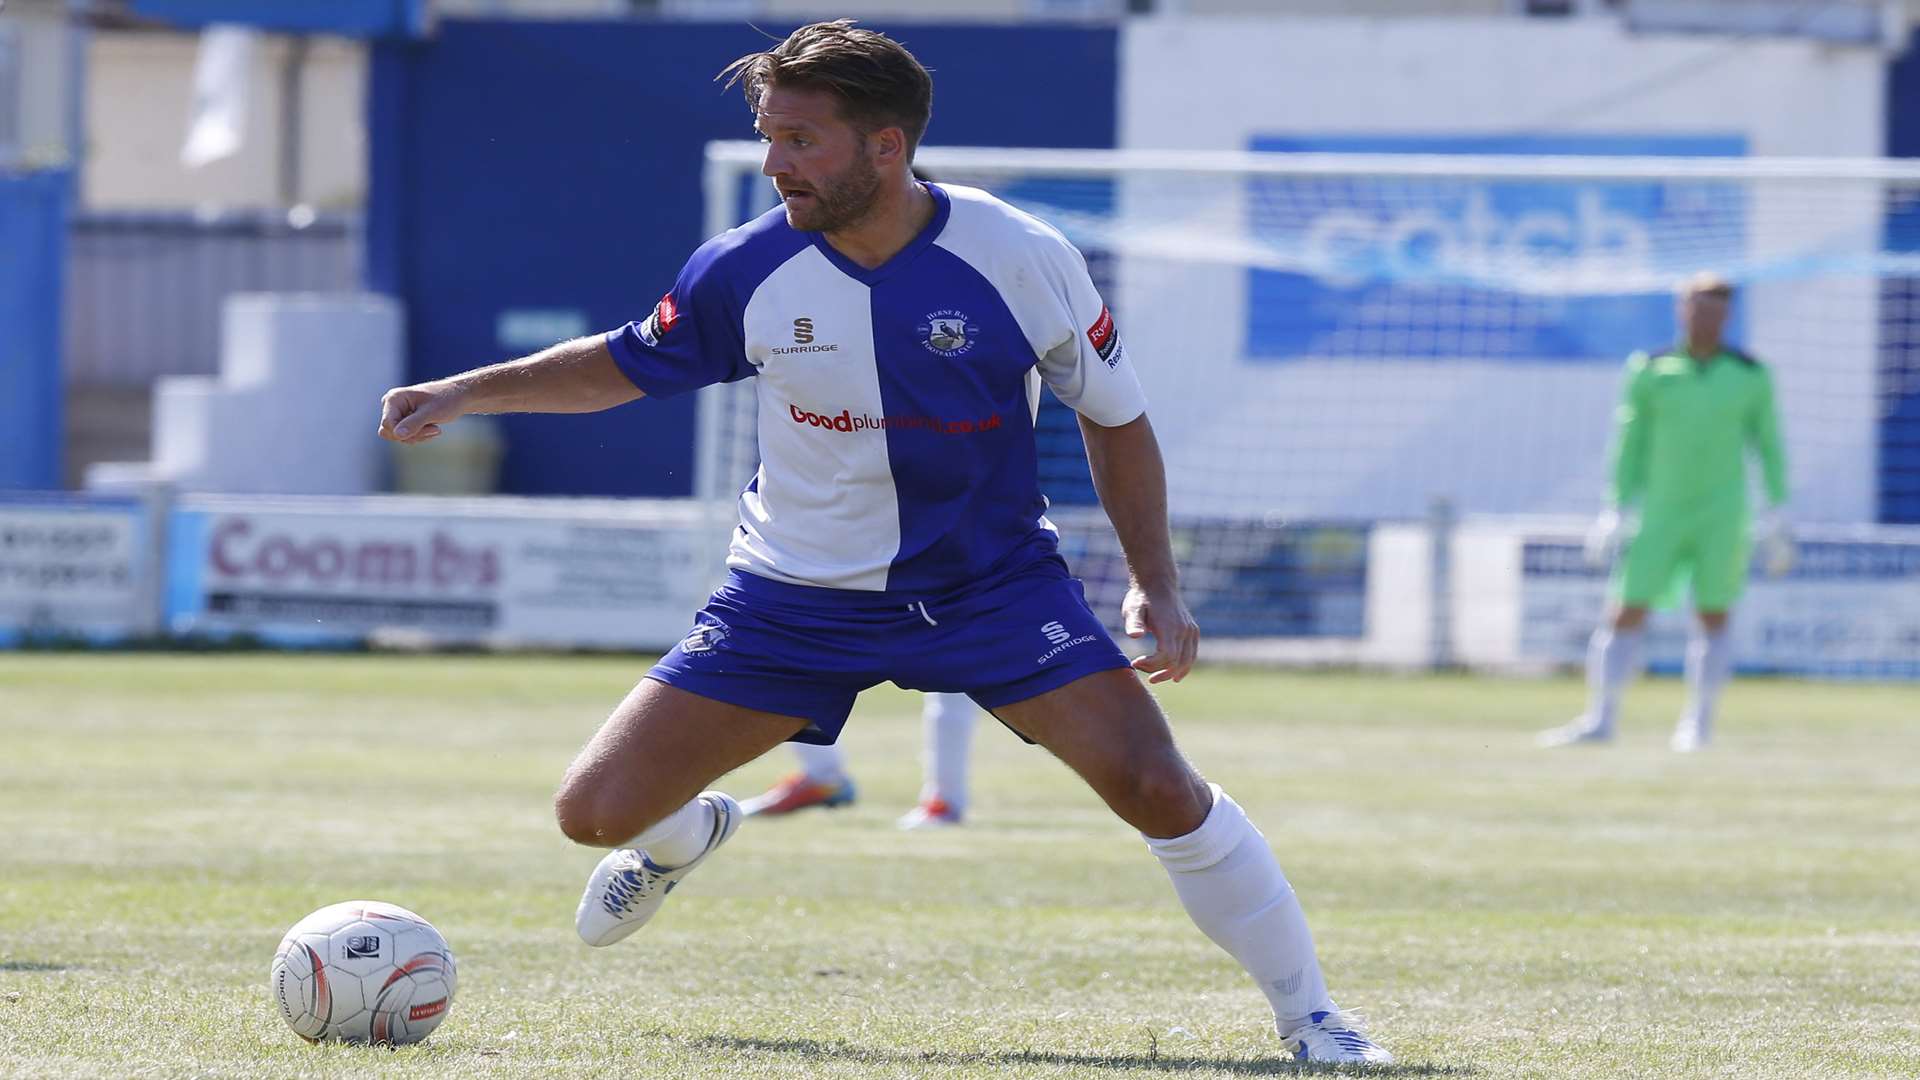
(363, 971)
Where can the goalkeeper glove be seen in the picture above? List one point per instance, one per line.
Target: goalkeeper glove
(1777, 549)
(1607, 535)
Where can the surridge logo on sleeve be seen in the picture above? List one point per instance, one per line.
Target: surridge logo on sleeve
(948, 332)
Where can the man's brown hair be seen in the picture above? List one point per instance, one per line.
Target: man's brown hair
(877, 81)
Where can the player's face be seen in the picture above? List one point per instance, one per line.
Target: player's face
(1703, 315)
(819, 163)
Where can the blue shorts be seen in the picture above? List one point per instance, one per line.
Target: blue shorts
(803, 651)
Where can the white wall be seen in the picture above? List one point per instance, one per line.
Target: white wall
(140, 87)
(1303, 437)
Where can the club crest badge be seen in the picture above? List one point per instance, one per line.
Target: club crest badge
(704, 639)
(948, 332)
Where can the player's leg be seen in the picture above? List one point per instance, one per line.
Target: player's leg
(651, 759)
(947, 722)
(1709, 665)
(1719, 577)
(822, 780)
(751, 674)
(637, 786)
(1613, 654)
(1110, 731)
(1647, 571)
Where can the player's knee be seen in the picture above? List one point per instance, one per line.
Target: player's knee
(1629, 617)
(1167, 797)
(588, 815)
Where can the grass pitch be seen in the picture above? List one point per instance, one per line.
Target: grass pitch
(1498, 911)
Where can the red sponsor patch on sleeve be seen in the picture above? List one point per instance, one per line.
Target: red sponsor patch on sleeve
(1103, 336)
(668, 312)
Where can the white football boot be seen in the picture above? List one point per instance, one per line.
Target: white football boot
(628, 887)
(1689, 735)
(1581, 729)
(1335, 1037)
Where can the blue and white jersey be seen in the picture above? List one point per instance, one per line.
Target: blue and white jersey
(896, 404)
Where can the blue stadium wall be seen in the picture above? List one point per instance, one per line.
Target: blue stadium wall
(33, 232)
(556, 167)
(1900, 416)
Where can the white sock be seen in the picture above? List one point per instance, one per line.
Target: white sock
(1232, 887)
(678, 838)
(821, 764)
(947, 726)
(1611, 657)
(1709, 664)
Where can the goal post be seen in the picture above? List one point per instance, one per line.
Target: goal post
(1343, 350)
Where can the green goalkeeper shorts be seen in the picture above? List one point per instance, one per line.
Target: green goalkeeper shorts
(1713, 549)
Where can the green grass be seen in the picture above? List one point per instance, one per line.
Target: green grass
(1498, 911)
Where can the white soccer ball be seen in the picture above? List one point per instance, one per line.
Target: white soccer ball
(363, 971)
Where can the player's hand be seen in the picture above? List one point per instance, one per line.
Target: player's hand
(1176, 637)
(1605, 537)
(413, 414)
(1777, 549)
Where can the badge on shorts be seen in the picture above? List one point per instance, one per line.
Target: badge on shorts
(704, 639)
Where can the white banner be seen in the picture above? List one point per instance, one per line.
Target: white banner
(568, 574)
(1849, 608)
(71, 565)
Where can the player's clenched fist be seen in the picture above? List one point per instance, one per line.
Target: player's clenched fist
(413, 414)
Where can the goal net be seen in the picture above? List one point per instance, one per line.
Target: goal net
(1341, 350)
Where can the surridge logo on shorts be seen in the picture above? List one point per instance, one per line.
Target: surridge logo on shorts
(948, 332)
(1061, 639)
(704, 638)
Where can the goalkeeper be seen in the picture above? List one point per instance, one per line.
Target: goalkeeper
(1685, 423)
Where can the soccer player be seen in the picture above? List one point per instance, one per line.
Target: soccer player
(823, 780)
(898, 332)
(1688, 418)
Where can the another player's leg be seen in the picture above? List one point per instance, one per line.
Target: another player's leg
(1720, 575)
(822, 780)
(1613, 654)
(1709, 665)
(947, 722)
(1648, 573)
(1110, 731)
(637, 786)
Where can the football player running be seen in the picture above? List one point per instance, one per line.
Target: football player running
(898, 332)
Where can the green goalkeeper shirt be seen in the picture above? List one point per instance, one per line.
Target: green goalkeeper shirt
(1683, 430)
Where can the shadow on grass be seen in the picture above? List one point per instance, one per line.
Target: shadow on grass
(29, 965)
(1264, 1066)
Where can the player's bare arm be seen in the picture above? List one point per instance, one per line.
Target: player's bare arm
(577, 376)
(1131, 479)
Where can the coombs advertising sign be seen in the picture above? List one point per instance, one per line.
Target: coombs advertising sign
(500, 573)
